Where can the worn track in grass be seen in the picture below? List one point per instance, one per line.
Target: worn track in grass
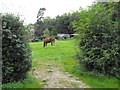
(53, 77)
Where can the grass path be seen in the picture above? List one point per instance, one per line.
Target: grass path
(50, 63)
(52, 77)
(54, 63)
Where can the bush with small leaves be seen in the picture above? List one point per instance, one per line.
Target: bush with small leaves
(15, 49)
(99, 39)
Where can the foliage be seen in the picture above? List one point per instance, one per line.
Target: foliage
(49, 23)
(53, 32)
(64, 23)
(15, 50)
(29, 29)
(59, 24)
(40, 14)
(46, 33)
(39, 25)
(98, 39)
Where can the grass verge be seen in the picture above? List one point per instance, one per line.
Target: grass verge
(29, 82)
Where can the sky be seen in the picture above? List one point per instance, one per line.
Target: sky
(28, 9)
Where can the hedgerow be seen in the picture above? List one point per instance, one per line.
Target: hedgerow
(15, 50)
(99, 38)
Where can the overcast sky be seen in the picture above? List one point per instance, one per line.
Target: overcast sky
(28, 9)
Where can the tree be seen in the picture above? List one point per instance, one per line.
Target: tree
(48, 23)
(46, 33)
(53, 32)
(40, 14)
(63, 23)
(39, 25)
(29, 30)
(59, 24)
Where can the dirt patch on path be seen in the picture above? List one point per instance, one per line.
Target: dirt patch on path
(52, 77)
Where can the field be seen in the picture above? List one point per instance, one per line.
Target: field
(63, 56)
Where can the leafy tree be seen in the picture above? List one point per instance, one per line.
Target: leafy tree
(46, 33)
(29, 29)
(53, 32)
(15, 50)
(48, 23)
(40, 14)
(59, 24)
(64, 23)
(98, 39)
(39, 25)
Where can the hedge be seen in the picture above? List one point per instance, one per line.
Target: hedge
(15, 50)
(99, 39)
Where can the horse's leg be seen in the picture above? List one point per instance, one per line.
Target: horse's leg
(44, 44)
(54, 43)
(51, 43)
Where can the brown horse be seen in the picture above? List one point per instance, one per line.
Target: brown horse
(49, 40)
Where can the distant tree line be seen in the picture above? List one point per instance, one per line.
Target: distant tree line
(60, 24)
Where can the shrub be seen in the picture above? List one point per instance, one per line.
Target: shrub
(15, 50)
(98, 39)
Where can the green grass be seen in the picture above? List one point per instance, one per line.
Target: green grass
(29, 82)
(62, 55)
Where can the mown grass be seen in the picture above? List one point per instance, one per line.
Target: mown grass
(62, 55)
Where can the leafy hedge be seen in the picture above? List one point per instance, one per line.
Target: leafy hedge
(15, 50)
(99, 39)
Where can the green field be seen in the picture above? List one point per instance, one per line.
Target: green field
(63, 56)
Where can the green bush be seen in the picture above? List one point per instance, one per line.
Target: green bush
(15, 50)
(98, 39)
